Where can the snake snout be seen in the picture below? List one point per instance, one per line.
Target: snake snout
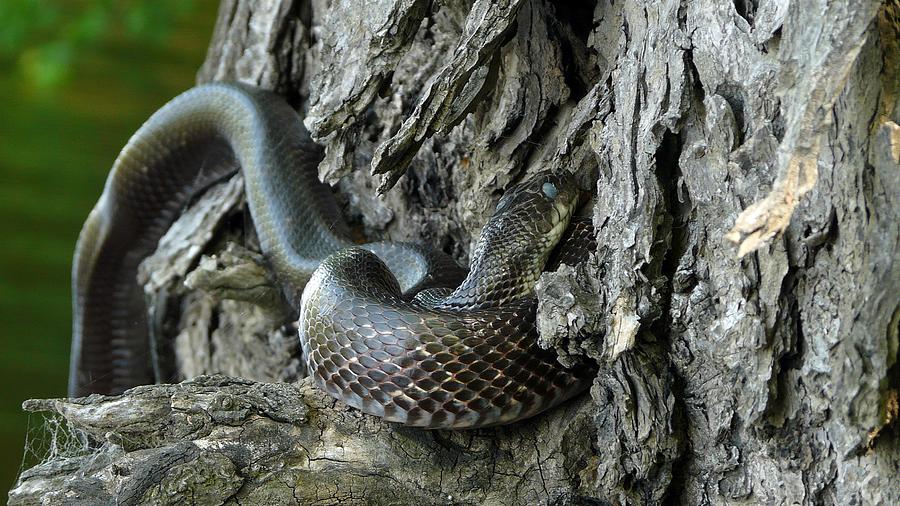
(547, 201)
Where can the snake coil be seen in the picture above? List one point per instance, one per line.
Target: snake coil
(380, 325)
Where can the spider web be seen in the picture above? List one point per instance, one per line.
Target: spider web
(50, 437)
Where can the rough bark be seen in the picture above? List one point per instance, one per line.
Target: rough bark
(742, 304)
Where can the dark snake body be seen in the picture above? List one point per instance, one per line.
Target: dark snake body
(466, 358)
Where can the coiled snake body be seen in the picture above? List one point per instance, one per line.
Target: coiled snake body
(461, 358)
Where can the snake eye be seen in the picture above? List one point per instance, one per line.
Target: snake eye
(549, 190)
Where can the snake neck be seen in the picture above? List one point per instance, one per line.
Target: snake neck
(507, 261)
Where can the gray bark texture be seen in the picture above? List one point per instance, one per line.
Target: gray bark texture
(743, 303)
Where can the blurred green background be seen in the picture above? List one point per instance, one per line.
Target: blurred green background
(77, 78)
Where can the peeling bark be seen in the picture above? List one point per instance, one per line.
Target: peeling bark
(762, 372)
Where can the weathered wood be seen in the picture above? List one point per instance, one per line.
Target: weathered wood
(759, 372)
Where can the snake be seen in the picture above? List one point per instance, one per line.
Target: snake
(393, 329)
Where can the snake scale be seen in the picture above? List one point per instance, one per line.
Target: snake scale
(381, 327)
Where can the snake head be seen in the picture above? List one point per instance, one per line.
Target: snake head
(517, 240)
(540, 194)
(537, 211)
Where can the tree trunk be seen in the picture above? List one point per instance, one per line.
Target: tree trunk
(742, 304)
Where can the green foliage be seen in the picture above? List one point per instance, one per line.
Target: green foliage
(43, 39)
(77, 78)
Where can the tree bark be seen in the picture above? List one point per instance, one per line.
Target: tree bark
(742, 304)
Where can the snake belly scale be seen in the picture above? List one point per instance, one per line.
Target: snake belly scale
(381, 326)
